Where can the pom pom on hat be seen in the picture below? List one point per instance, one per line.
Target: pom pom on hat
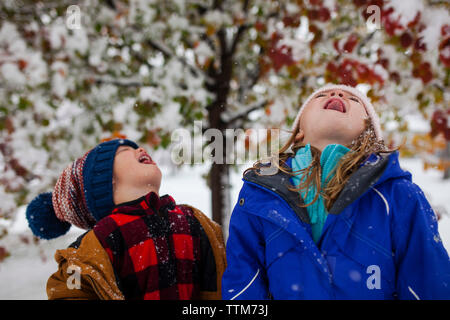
(42, 219)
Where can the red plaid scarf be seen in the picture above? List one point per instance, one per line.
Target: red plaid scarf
(154, 246)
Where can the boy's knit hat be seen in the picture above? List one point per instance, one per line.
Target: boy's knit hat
(82, 195)
(367, 104)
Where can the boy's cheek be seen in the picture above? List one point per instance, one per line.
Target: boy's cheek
(159, 175)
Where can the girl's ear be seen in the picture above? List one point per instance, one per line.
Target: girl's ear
(299, 136)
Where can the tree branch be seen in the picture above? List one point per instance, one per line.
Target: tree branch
(243, 115)
(117, 82)
(168, 54)
(217, 4)
(253, 78)
(38, 7)
(209, 41)
(237, 37)
(365, 41)
(241, 29)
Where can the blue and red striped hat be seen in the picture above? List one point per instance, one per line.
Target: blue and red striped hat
(82, 195)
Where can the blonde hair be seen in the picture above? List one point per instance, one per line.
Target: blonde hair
(360, 149)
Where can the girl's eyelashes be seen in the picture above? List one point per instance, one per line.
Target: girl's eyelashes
(351, 98)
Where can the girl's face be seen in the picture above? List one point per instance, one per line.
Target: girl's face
(333, 116)
(134, 169)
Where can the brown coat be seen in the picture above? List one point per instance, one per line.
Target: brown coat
(97, 279)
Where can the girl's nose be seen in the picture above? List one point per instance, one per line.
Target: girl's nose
(337, 93)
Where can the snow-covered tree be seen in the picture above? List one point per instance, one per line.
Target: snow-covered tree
(75, 72)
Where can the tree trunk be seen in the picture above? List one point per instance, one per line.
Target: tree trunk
(220, 192)
(447, 160)
(219, 172)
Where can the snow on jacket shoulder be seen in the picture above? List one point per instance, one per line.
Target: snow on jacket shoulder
(84, 272)
(380, 241)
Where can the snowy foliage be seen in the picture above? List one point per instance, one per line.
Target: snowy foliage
(143, 68)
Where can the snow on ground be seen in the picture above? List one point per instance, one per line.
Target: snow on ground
(24, 274)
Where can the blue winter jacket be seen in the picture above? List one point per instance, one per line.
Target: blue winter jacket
(380, 241)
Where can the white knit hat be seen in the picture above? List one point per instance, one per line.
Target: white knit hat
(367, 104)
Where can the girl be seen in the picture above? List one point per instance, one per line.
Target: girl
(139, 245)
(340, 219)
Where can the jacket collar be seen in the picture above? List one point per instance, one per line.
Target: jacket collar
(375, 170)
(361, 181)
(147, 204)
(280, 184)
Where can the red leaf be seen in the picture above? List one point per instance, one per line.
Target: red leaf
(346, 73)
(3, 254)
(415, 21)
(260, 26)
(439, 124)
(378, 3)
(351, 42)
(280, 56)
(395, 76)
(384, 62)
(390, 25)
(336, 45)
(324, 14)
(317, 34)
(352, 72)
(423, 71)
(445, 30)
(419, 45)
(406, 39)
(316, 2)
(291, 21)
(22, 64)
(359, 3)
(313, 14)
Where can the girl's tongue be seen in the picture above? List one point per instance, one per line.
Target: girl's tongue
(335, 104)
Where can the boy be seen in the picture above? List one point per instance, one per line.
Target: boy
(139, 245)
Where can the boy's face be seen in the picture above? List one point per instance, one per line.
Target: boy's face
(135, 168)
(335, 116)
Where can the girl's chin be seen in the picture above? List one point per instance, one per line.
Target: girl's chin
(329, 137)
(342, 129)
